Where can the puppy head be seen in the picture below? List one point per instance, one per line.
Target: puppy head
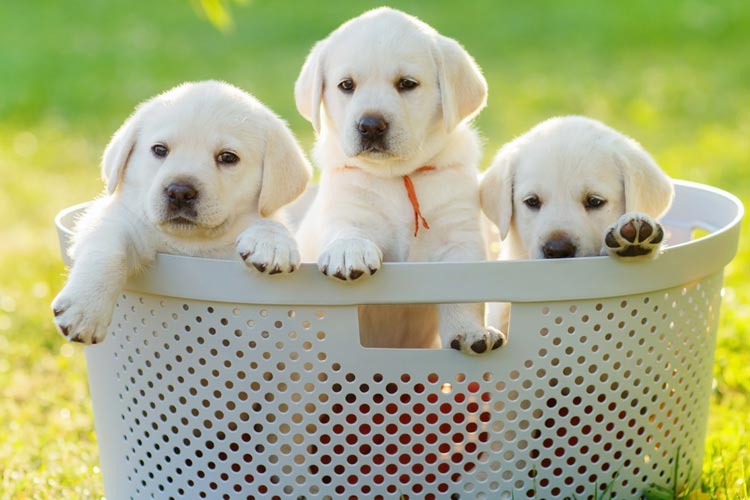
(203, 156)
(555, 189)
(386, 88)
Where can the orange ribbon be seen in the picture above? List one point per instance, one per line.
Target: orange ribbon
(412, 194)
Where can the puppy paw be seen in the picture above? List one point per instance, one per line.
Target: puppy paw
(634, 235)
(82, 317)
(268, 247)
(350, 259)
(479, 342)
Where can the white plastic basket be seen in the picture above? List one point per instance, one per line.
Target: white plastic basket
(216, 382)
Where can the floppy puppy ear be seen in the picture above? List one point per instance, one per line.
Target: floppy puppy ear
(286, 171)
(308, 89)
(463, 89)
(117, 153)
(496, 190)
(647, 188)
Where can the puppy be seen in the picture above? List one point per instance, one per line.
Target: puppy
(200, 170)
(390, 100)
(574, 187)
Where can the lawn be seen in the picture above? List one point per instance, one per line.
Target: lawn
(675, 75)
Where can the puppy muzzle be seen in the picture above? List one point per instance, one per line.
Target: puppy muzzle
(180, 200)
(373, 133)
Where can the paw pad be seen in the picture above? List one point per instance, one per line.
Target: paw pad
(634, 235)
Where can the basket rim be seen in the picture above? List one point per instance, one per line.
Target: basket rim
(442, 282)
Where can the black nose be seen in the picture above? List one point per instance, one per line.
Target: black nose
(181, 195)
(372, 126)
(559, 249)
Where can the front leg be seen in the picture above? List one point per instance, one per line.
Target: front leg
(634, 235)
(350, 226)
(107, 251)
(462, 326)
(269, 247)
(83, 308)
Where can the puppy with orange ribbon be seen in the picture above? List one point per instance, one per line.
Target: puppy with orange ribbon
(390, 100)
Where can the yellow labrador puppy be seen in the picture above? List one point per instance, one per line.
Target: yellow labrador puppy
(574, 187)
(200, 170)
(390, 100)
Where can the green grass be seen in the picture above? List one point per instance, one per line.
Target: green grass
(672, 74)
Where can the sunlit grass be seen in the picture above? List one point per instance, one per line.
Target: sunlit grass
(672, 74)
(47, 443)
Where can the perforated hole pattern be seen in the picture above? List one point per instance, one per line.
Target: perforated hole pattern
(244, 401)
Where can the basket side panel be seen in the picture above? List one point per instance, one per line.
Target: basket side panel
(622, 390)
(212, 400)
(180, 386)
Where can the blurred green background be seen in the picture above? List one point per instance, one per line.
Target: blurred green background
(673, 74)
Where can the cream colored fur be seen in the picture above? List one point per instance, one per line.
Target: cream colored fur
(563, 162)
(234, 212)
(362, 215)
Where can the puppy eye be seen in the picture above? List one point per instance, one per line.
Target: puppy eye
(227, 158)
(533, 202)
(407, 84)
(346, 85)
(160, 150)
(594, 202)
